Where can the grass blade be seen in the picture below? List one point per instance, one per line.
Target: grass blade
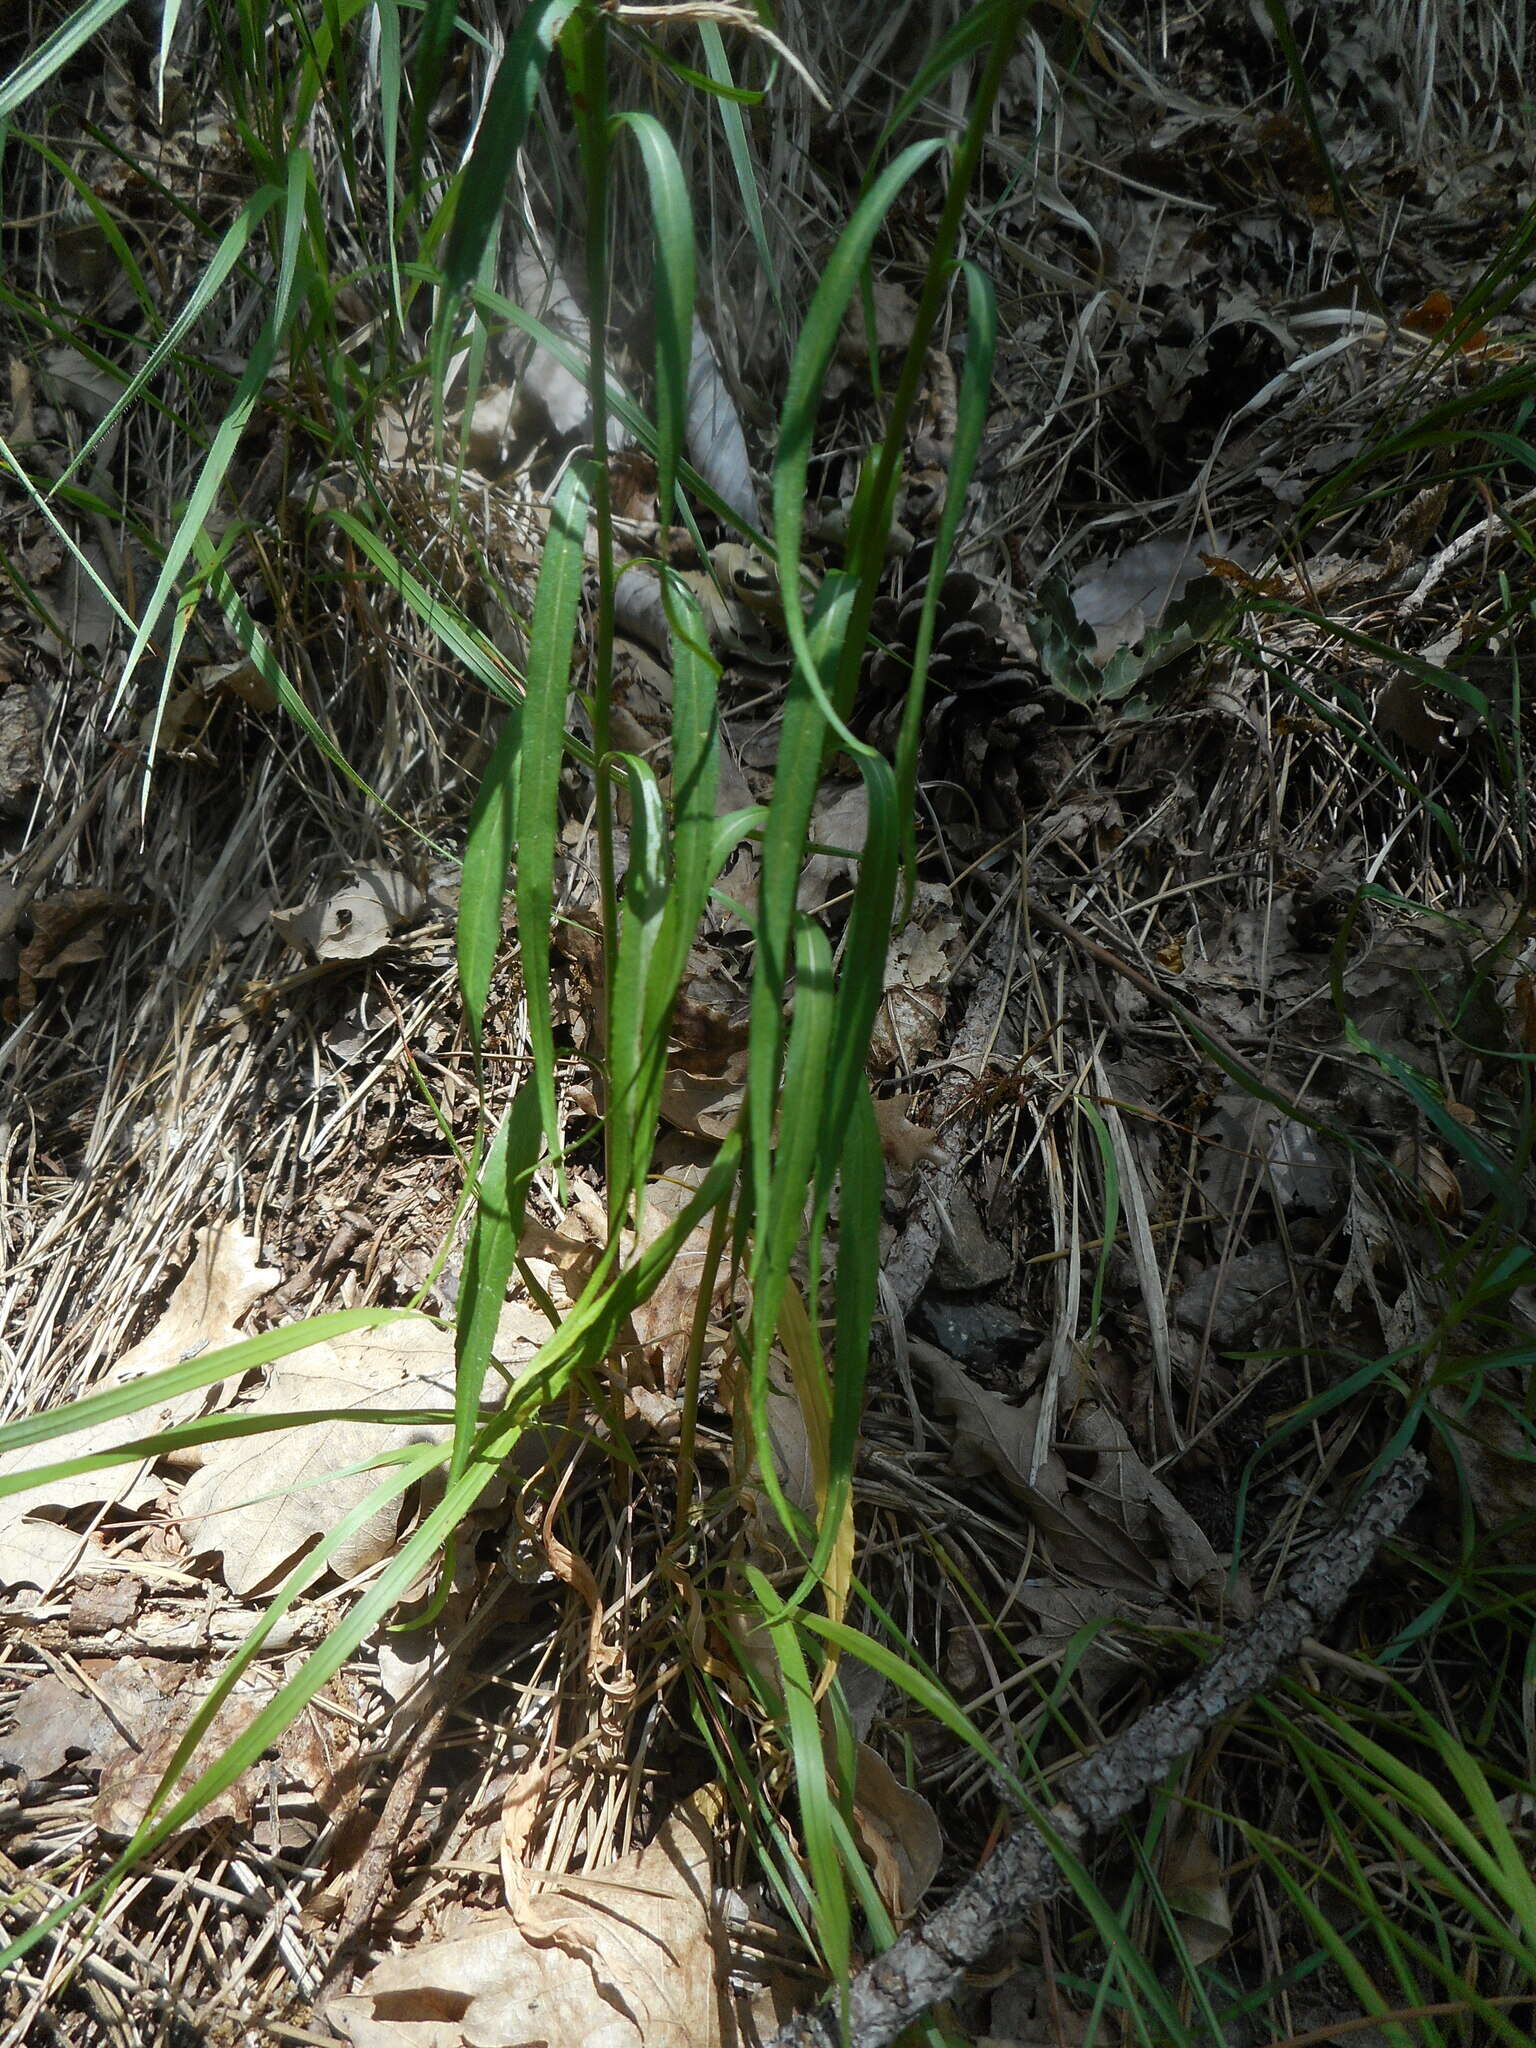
(487, 864)
(489, 1257)
(54, 52)
(551, 646)
(672, 218)
(502, 129)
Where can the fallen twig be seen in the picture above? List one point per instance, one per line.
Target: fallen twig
(927, 1962)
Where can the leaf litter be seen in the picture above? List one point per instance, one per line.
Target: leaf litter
(1204, 828)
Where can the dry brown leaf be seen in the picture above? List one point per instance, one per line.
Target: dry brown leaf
(68, 930)
(1227, 1302)
(1196, 1886)
(222, 1282)
(1150, 1513)
(92, 1725)
(664, 1323)
(357, 921)
(894, 308)
(262, 1500)
(127, 1724)
(1428, 1169)
(704, 1105)
(991, 1434)
(52, 1724)
(1495, 1455)
(628, 1957)
(911, 1017)
(899, 1831)
(905, 1144)
(1122, 598)
(1404, 707)
(1061, 1612)
(840, 821)
(131, 1778)
(33, 1552)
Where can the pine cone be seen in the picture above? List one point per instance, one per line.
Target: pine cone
(978, 750)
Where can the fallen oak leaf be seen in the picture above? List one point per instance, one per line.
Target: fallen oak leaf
(261, 1500)
(223, 1281)
(627, 1957)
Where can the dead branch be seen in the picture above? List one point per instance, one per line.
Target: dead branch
(928, 1961)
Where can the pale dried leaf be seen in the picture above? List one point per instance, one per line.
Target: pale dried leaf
(628, 1957)
(905, 1144)
(541, 289)
(357, 921)
(894, 309)
(1152, 1515)
(69, 378)
(1122, 598)
(33, 1552)
(1196, 1886)
(75, 597)
(899, 1831)
(1228, 1301)
(717, 446)
(222, 1282)
(664, 1323)
(131, 1778)
(704, 1105)
(260, 1501)
(841, 820)
(991, 1434)
(53, 1723)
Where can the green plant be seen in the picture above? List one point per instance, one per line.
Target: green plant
(808, 1130)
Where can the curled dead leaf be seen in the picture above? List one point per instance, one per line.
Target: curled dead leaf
(630, 1956)
(1432, 1174)
(905, 1144)
(357, 921)
(899, 1831)
(68, 930)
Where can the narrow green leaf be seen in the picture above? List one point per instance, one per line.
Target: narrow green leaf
(387, 13)
(861, 1189)
(813, 357)
(433, 40)
(230, 251)
(739, 151)
(253, 643)
(829, 1894)
(508, 110)
(299, 182)
(799, 1141)
(489, 1257)
(672, 218)
(229, 1362)
(635, 1061)
(699, 849)
(465, 642)
(170, 15)
(488, 852)
(970, 423)
(551, 643)
(54, 52)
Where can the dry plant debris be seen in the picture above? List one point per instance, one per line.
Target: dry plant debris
(1197, 1064)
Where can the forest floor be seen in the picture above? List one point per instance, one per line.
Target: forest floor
(1202, 1070)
